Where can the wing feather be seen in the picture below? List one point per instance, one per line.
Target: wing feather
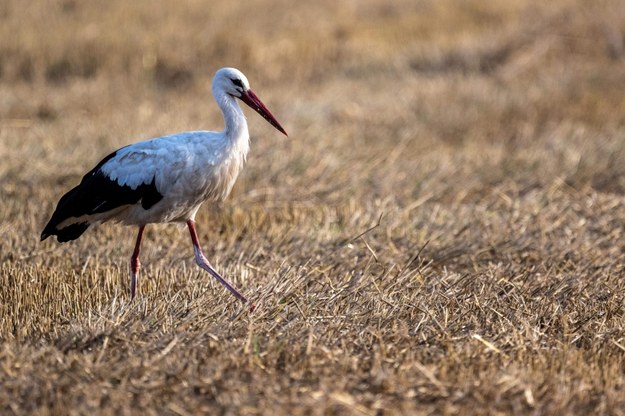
(100, 193)
(141, 173)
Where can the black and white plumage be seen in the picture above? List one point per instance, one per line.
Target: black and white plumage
(165, 179)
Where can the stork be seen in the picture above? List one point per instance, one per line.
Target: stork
(165, 179)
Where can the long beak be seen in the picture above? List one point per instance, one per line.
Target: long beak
(249, 98)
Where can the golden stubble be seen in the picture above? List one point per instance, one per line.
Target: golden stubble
(441, 232)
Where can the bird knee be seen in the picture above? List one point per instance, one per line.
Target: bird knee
(201, 261)
(135, 265)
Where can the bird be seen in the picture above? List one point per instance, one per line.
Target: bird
(165, 179)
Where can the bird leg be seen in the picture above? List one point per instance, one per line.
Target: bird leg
(135, 264)
(204, 264)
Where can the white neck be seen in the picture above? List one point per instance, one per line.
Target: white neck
(235, 135)
(234, 119)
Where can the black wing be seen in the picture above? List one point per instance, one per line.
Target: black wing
(95, 194)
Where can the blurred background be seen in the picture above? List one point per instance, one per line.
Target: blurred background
(376, 95)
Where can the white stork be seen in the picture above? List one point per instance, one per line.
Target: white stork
(165, 179)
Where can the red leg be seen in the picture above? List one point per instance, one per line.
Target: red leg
(135, 264)
(204, 264)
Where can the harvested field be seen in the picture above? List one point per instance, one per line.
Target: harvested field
(442, 232)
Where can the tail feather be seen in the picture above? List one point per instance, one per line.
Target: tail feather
(65, 210)
(71, 232)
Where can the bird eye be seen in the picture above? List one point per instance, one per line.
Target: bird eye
(237, 82)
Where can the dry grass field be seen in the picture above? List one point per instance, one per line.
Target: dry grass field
(442, 232)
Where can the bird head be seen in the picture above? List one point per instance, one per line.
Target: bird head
(234, 83)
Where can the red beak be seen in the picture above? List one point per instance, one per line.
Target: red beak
(249, 98)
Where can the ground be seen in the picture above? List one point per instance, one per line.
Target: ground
(442, 232)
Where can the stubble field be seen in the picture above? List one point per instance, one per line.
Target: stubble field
(442, 232)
